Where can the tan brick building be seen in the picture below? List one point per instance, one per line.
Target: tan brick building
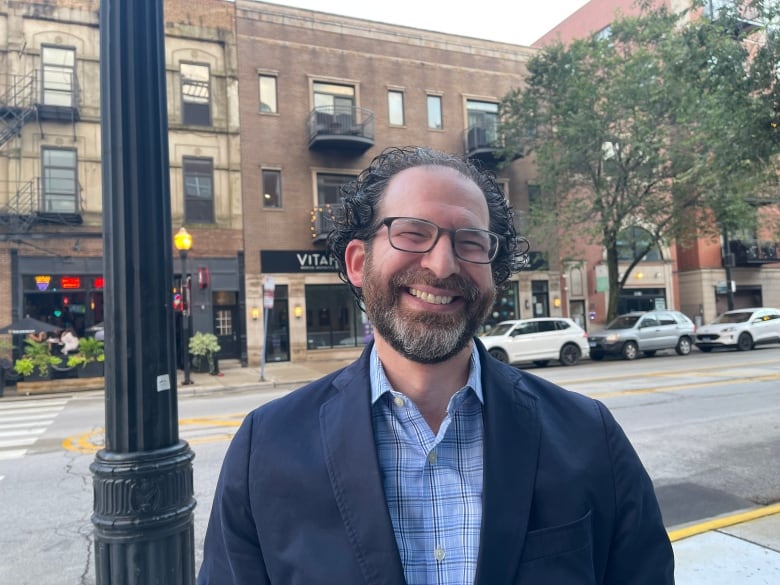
(51, 195)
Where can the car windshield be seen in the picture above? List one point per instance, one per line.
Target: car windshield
(624, 322)
(499, 329)
(733, 317)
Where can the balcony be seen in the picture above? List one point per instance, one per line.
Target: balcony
(754, 252)
(322, 222)
(340, 129)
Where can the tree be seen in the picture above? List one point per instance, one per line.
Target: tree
(664, 124)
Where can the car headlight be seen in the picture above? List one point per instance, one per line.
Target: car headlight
(612, 337)
(728, 330)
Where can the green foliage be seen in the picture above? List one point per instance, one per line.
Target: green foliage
(91, 349)
(204, 346)
(37, 356)
(664, 124)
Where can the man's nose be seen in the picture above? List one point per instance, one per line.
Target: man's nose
(441, 259)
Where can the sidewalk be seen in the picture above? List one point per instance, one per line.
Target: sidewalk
(736, 549)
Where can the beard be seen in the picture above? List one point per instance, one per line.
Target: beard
(424, 337)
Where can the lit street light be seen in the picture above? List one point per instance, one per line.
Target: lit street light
(182, 241)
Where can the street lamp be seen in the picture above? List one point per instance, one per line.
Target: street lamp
(182, 241)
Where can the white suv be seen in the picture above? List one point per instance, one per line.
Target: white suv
(537, 340)
(740, 328)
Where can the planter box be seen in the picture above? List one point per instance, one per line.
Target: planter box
(91, 370)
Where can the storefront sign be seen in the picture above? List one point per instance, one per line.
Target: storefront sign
(296, 261)
(42, 282)
(70, 282)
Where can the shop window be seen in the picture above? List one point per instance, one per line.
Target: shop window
(58, 76)
(333, 318)
(504, 307)
(198, 190)
(482, 123)
(195, 94)
(540, 298)
(59, 180)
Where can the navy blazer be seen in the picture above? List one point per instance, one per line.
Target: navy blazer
(566, 500)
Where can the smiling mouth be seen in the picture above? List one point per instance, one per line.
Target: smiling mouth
(429, 298)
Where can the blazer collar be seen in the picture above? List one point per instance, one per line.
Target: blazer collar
(348, 443)
(512, 439)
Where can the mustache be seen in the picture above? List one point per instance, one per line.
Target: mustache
(456, 283)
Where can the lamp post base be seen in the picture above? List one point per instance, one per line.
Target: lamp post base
(143, 517)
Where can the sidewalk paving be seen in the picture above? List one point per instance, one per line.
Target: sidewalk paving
(740, 548)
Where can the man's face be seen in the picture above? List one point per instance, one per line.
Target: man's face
(427, 306)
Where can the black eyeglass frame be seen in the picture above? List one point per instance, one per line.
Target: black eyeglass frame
(387, 222)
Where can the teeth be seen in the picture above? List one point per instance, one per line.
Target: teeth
(429, 298)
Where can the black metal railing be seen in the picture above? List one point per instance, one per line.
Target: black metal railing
(17, 105)
(343, 125)
(751, 252)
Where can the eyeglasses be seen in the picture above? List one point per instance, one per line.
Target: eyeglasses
(409, 234)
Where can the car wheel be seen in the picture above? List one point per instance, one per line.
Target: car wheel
(630, 350)
(705, 349)
(541, 363)
(570, 354)
(499, 354)
(649, 353)
(745, 342)
(683, 346)
(597, 356)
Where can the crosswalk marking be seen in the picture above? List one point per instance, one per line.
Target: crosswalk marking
(22, 423)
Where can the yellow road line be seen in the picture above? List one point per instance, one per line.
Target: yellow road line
(661, 389)
(723, 522)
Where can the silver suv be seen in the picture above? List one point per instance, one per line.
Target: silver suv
(646, 332)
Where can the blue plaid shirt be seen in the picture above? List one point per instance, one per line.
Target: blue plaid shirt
(433, 484)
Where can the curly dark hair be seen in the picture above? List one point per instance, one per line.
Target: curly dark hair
(356, 218)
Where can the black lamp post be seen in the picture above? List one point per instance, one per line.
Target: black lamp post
(142, 479)
(183, 242)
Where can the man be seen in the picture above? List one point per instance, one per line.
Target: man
(427, 461)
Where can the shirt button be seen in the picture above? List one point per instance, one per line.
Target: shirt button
(398, 401)
(438, 553)
(432, 457)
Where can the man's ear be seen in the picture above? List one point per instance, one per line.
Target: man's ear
(355, 260)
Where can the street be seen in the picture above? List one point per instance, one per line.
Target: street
(706, 427)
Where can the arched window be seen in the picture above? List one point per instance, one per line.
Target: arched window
(633, 241)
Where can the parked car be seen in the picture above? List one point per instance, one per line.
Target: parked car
(539, 340)
(740, 328)
(646, 332)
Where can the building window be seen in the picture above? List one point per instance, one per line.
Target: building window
(482, 123)
(58, 76)
(328, 187)
(59, 180)
(195, 94)
(333, 319)
(335, 105)
(272, 189)
(198, 190)
(395, 108)
(267, 91)
(435, 121)
(632, 243)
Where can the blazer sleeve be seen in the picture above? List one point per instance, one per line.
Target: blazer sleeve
(641, 553)
(231, 550)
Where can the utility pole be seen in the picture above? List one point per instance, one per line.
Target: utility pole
(143, 490)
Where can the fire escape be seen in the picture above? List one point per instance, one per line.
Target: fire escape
(20, 105)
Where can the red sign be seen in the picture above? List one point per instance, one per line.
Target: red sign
(98, 282)
(70, 282)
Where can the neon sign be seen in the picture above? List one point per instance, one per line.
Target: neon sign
(42, 282)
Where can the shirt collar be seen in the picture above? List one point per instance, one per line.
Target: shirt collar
(381, 385)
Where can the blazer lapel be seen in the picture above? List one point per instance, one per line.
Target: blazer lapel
(512, 438)
(348, 445)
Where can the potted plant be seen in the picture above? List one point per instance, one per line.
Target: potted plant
(36, 361)
(204, 348)
(90, 359)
